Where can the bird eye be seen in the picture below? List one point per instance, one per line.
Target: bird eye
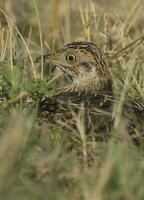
(71, 57)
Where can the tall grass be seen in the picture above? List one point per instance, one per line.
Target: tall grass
(45, 161)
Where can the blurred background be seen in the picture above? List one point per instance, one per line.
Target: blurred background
(106, 22)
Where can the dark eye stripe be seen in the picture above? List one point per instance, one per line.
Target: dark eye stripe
(87, 66)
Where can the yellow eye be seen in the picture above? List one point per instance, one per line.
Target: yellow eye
(71, 57)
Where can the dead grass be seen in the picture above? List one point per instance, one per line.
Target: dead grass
(40, 162)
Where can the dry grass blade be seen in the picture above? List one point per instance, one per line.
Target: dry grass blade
(40, 35)
(131, 44)
(80, 124)
(10, 23)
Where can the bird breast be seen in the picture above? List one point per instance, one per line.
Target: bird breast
(87, 83)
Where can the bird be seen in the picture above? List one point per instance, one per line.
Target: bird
(84, 64)
(88, 87)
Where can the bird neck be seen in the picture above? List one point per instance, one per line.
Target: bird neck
(90, 83)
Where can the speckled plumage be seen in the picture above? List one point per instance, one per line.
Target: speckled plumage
(89, 90)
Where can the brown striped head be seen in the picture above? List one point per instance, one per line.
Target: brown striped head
(84, 63)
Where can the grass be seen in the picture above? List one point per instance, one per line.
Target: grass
(44, 161)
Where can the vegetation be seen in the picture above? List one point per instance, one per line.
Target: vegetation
(40, 162)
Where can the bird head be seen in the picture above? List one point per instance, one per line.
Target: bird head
(83, 63)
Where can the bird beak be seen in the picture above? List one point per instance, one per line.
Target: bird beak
(50, 59)
(47, 58)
